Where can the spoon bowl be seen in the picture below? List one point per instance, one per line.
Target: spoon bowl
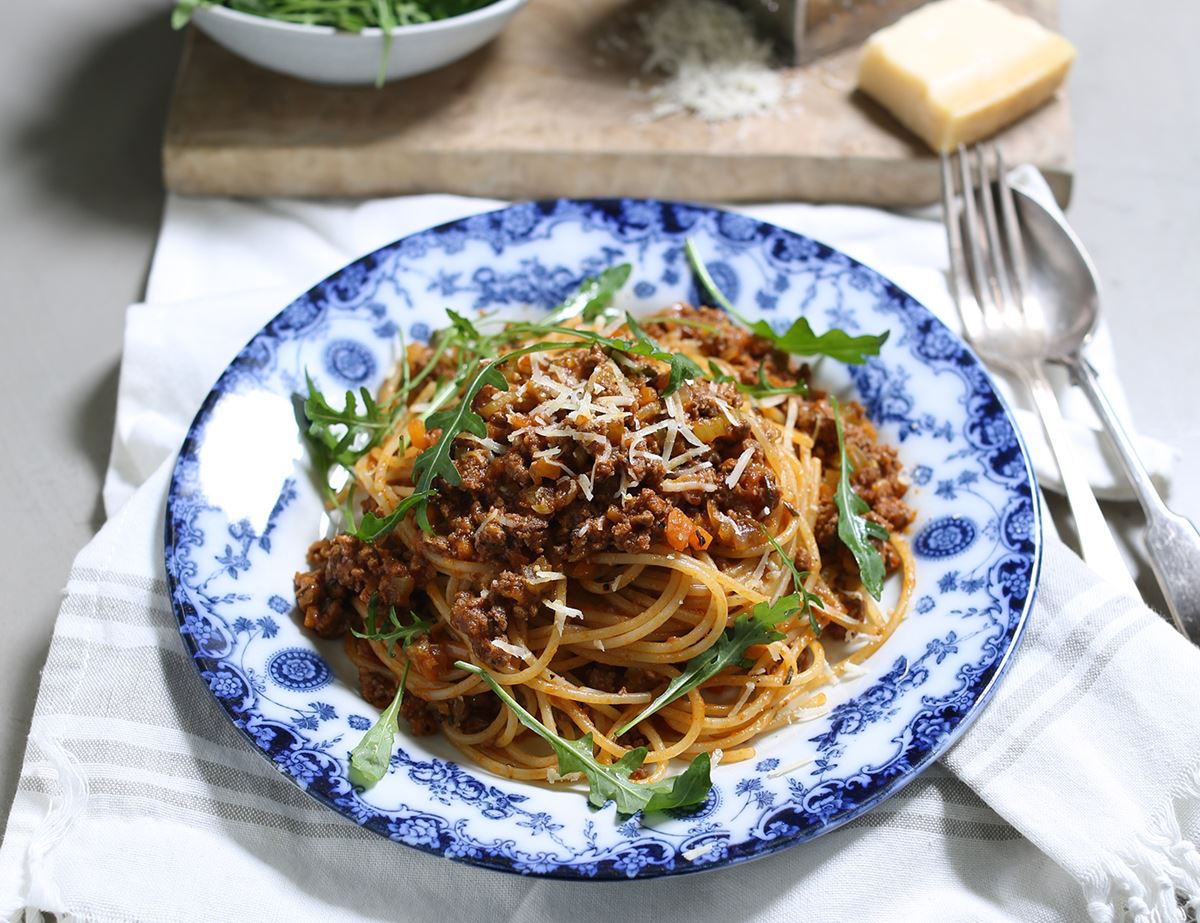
(1060, 276)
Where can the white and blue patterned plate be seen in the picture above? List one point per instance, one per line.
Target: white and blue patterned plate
(241, 513)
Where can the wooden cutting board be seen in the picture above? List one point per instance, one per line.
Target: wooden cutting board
(542, 112)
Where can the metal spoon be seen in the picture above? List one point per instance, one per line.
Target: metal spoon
(1061, 276)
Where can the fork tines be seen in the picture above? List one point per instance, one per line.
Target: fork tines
(988, 272)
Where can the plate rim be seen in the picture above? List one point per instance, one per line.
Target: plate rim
(563, 872)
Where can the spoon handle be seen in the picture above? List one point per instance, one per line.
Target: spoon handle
(1173, 542)
(1096, 543)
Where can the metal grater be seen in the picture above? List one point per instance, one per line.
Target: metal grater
(818, 27)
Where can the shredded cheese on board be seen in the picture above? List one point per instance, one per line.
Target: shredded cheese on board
(716, 65)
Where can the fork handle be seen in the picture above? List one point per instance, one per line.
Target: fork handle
(1172, 540)
(1096, 541)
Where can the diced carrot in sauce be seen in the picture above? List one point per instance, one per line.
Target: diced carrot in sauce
(416, 432)
(544, 469)
(701, 539)
(679, 529)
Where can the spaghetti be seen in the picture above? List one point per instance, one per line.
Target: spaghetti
(605, 525)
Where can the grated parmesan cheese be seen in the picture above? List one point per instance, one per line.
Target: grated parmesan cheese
(727, 411)
(736, 474)
(645, 431)
(789, 422)
(563, 609)
(491, 516)
(553, 775)
(487, 442)
(669, 441)
(548, 455)
(743, 698)
(761, 568)
(584, 411)
(803, 713)
(520, 651)
(616, 322)
(693, 469)
(568, 433)
(715, 64)
(784, 770)
(675, 408)
(703, 849)
(614, 401)
(852, 670)
(678, 486)
(684, 457)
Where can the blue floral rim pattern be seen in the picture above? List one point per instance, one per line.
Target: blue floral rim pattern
(230, 552)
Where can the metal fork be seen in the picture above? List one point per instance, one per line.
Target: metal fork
(1007, 327)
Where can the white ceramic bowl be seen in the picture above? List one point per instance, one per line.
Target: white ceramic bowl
(322, 54)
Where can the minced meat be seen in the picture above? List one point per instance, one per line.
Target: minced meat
(584, 455)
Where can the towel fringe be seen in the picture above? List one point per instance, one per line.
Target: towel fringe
(1158, 879)
(66, 806)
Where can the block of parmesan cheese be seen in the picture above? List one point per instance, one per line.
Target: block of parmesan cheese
(956, 71)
